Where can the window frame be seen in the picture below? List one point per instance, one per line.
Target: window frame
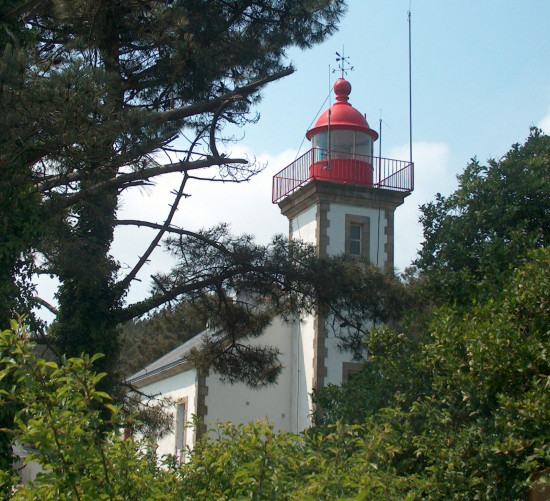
(350, 369)
(364, 223)
(180, 431)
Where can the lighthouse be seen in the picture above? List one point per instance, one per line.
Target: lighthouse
(340, 198)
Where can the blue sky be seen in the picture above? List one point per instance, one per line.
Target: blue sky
(481, 78)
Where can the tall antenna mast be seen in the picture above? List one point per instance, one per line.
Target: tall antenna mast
(329, 113)
(410, 91)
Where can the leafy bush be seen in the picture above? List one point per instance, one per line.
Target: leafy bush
(74, 430)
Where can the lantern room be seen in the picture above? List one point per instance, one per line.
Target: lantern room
(342, 142)
(347, 129)
(342, 153)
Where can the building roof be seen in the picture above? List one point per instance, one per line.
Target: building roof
(172, 363)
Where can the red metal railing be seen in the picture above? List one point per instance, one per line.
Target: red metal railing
(340, 167)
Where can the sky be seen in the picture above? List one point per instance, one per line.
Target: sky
(480, 80)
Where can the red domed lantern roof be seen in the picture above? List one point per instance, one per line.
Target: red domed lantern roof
(343, 116)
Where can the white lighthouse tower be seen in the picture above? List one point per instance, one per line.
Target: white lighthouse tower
(342, 199)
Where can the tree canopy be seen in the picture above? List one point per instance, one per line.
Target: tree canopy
(75, 431)
(452, 406)
(476, 428)
(485, 228)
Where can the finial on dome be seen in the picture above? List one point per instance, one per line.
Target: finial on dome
(342, 89)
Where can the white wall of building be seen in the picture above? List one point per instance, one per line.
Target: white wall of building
(238, 403)
(304, 226)
(335, 359)
(304, 372)
(337, 230)
(176, 388)
(337, 244)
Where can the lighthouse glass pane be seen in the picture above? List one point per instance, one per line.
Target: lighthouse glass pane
(341, 143)
(363, 144)
(320, 143)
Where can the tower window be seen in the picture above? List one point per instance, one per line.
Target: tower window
(357, 235)
(350, 370)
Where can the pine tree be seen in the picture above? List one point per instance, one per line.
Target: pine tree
(92, 92)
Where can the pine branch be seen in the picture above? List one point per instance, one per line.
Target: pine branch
(172, 229)
(162, 229)
(56, 181)
(137, 309)
(214, 104)
(26, 11)
(123, 180)
(224, 180)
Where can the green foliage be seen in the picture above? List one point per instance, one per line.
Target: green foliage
(467, 420)
(489, 396)
(465, 387)
(62, 417)
(7, 414)
(469, 398)
(394, 376)
(253, 462)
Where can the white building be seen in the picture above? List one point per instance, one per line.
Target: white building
(340, 198)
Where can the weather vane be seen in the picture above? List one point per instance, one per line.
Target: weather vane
(343, 63)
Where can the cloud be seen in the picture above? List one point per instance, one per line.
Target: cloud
(544, 124)
(246, 207)
(433, 174)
